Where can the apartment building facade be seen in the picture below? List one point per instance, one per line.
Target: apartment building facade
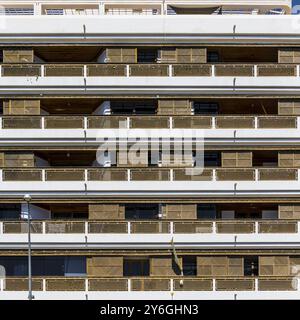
(76, 74)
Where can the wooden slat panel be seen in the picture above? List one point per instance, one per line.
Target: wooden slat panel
(179, 211)
(105, 266)
(106, 211)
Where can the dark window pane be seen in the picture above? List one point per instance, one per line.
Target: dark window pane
(206, 211)
(10, 211)
(206, 108)
(44, 266)
(75, 266)
(142, 211)
(211, 159)
(251, 266)
(189, 266)
(147, 55)
(133, 107)
(134, 267)
(213, 56)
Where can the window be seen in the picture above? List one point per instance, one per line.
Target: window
(210, 108)
(146, 55)
(211, 159)
(136, 267)
(213, 56)
(251, 266)
(141, 211)
(44, 266)
(74, 266)
(247, 215)
(55, 12)
(131, 11)
(133, 107)
(206, 211)
(10, 211)
(17, 11)
(189, 266)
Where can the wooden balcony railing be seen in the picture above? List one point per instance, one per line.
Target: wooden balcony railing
(64, 122)
(234, 70)
(148, 174)
(190, 283)
(152, 227)
(150, 122)
(149, 70)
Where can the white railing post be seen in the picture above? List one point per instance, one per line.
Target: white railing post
(37, 9)
(214, 227)
(171, 285)
(214, 287)
(43, 175)
(129, 284)
(85, 123)
(44, 227)
(128, 175)
(171, 227)
(43, 123)
(44, 284)
(42, 70)
(256, 284)
(129, 227)
(214, 175)
(128, 123)
(0, 70)
(255, 122)
(1, 125)
(298, 71)
(213, 122)
(86, 282)
(171, 122)
(298, 123)
(101, 8)
(85, 71)
(256, 227)
(85, 175)
(171, 174)
(1, 227)
(1, 175)
(255, 70)
(298, 227)
(86, 228)
(256, 174)
(298, 284)
(1, 284)
(213, 70)
(127, 70)
(298, 173)
(170, 70)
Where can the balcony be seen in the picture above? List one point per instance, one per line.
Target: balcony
(149, 70)
(143, 287)
(149, 122)
(157, 234)
(278, 7)
(148, 174)
(149, 284)
(152, 227)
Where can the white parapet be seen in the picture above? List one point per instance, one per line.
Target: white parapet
(151, 241)
(151, 29)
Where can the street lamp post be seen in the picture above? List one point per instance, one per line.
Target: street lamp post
(27, 198)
